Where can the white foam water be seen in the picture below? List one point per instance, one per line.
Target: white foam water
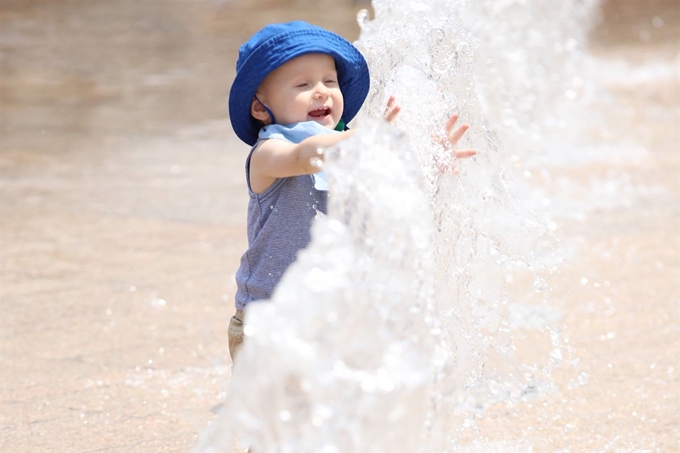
(394, 329)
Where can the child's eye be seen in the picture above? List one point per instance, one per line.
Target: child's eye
(331, 81)
(301, 85)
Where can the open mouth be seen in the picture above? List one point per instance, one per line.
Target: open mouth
(321, 112)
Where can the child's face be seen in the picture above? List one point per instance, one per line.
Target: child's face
(303, 89)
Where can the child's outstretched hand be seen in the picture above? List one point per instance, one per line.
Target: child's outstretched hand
(392, 109)
(453, 136)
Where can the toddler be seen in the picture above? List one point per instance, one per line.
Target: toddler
(296, 87)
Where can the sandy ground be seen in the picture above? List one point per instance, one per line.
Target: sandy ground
(122, 222)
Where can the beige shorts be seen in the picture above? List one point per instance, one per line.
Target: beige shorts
(235, 333)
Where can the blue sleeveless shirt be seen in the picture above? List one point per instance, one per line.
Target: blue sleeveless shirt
(279, 219)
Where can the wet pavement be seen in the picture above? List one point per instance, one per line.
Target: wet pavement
(122, 223)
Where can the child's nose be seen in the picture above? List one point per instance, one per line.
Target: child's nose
(321, 91)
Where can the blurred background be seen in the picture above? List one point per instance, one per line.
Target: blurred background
(122, 217)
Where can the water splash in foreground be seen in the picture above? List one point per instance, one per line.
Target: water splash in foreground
(392, 330)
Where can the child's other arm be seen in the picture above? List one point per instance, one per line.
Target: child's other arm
(452, 134)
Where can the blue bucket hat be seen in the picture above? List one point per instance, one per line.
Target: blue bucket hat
(276, 44)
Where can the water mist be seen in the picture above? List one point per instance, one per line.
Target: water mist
(394, 329)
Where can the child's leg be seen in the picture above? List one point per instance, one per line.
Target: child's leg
(235, 333)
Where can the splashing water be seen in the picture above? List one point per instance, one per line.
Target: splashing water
(393, 328)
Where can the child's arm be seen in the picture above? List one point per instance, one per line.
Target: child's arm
(275, 159)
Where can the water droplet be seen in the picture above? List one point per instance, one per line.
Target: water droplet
(538, 285)
(157, 302)
(463, 47)
(363, 18)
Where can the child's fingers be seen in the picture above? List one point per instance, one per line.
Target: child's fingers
(464, 153)
(389, 107)
(392, 110)
(461, 154)
(392, 114)
(458, 133)
(453, 137)
(451, 122)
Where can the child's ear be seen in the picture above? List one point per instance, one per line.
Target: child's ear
(258, 112)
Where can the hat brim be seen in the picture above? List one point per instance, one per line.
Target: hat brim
(353, 75)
